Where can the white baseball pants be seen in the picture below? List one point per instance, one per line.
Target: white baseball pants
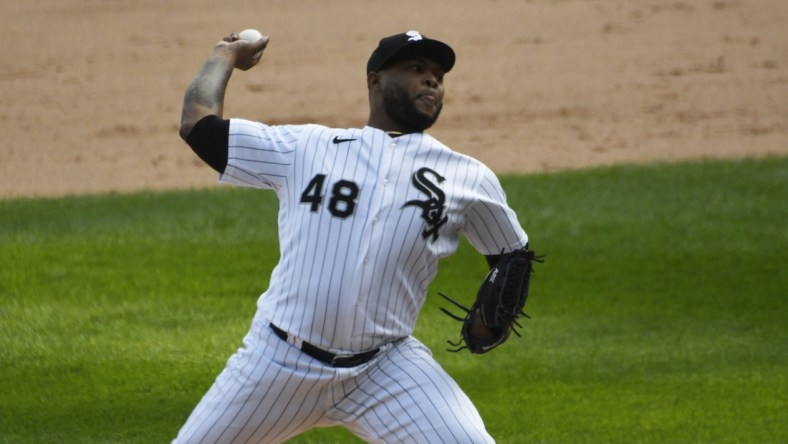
(270, 391)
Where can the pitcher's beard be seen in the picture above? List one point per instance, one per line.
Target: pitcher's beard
(401, 109)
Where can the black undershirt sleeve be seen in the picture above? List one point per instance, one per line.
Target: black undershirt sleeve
(493, 260)
(209, 140)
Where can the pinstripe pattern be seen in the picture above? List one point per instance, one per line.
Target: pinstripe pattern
(270, 392)
(352, 284)
(407, 398)
(358, 249)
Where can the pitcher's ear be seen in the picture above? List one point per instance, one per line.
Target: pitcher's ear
(373, 80)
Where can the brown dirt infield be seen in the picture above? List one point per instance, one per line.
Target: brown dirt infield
(91, 89)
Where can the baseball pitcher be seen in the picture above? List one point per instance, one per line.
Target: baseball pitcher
(364, 216)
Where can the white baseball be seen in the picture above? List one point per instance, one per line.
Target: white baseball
(251, 35)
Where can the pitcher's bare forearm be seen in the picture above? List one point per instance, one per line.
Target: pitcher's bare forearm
(205, 94)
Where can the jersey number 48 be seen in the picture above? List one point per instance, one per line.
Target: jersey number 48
(343, 196)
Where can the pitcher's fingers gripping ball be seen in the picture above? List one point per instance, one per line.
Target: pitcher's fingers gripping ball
(252, 35)
(249, 45)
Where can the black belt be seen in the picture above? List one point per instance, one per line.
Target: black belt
(327, 357)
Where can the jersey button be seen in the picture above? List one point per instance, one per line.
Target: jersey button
(393, 145)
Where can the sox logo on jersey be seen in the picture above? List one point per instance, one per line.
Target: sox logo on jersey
(433, 207)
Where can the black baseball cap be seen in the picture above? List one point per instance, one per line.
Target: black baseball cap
(409, 43)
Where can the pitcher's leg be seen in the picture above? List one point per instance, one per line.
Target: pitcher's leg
(258, 397)
(406, 396)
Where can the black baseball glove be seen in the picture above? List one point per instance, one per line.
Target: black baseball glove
(499, 302)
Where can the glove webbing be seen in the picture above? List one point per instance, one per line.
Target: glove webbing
(467, 311)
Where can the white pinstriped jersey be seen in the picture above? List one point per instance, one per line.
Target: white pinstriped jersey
(363, 220)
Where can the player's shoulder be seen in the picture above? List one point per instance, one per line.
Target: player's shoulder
(457, 166)
(309, 133)
(240, 121)
(315, 133)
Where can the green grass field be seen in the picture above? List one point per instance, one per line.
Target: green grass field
(659, 316)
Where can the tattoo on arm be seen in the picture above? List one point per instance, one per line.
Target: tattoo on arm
(208, 87)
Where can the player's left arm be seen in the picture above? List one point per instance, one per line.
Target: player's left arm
(489, 223)
(492, 227)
